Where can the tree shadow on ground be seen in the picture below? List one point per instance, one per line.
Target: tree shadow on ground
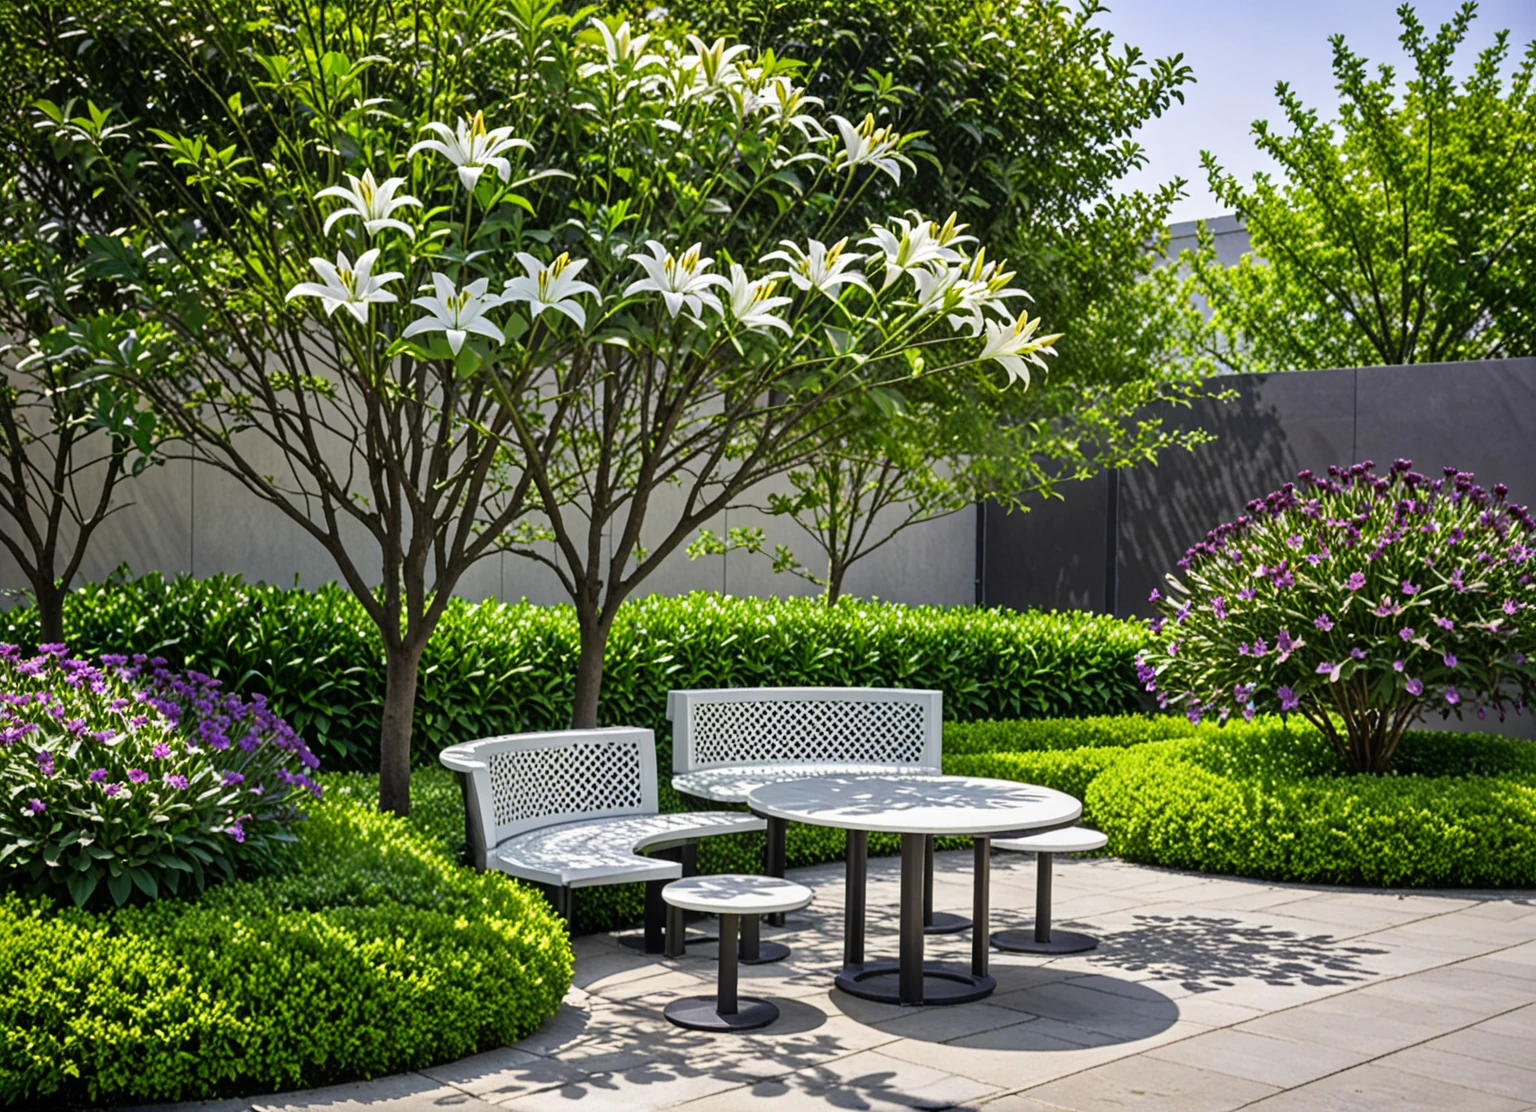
(1204, 954)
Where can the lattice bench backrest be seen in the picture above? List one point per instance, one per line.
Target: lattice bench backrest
(524, 781)
(764, 725)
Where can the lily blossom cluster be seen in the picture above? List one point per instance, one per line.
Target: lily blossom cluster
(951, 279)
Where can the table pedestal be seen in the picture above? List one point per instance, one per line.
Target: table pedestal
(911, 980)
(937, 922)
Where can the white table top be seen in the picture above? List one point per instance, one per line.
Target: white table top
(733, 894)
(933, 805)
(734, 783)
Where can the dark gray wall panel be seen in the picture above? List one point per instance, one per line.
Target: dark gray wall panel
(1053, 557)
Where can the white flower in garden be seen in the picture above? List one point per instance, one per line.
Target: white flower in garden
(1011, 344)
(620, 48)
(714, 67)
(680, 281)
(551, 287)
(981, 286)
(868, 144)
(781, 102)
(456, 312)
(753, 303)
(933, 288)
(472, 148)
(347, 286)
(372, 201)
(919, 243)
(820, 267)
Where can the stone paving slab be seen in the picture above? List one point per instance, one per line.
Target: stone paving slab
(1205, 993)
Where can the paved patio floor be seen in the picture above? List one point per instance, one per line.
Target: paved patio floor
(1205, 994)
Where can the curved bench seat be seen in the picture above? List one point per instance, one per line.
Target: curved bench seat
(607, 850)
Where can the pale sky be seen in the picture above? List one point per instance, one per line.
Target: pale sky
(1240, 48)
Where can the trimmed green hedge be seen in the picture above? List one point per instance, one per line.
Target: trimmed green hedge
(494, 668)
(376, 953)
(1460, 809)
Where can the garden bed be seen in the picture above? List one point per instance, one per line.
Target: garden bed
(375, 952)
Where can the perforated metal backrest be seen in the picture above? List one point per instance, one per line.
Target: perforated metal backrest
(525, 781)
(766, 725)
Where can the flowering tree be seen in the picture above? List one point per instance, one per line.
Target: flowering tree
(1356, 600)
(509, 328)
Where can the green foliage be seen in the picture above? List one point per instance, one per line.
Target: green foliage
(1404, 232)
(1354, 597)
(1026, 113)
(495, 668)
(1280, 805)
(123, 781)
(375, 954)
(1041, 735)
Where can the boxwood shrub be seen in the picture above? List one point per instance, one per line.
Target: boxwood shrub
(497, 668)
(375, 953)
(1459, 810)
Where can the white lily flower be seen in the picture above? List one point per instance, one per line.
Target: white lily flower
(753, 303)
(877, 146)
(551, 287)
(1011, 344)
(456, 312)
(713, 67)
(933, 288)
(919, 243)
(347, 286)
(620, 48)
(820, 267)
(981, 286)
(680, 281)
(472, 148)
(372, 201)
(781, 102)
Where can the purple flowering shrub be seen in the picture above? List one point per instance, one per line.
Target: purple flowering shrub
(1358, 601)
(124, 776)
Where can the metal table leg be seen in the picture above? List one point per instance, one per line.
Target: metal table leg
(911, 980)
(854, 897)
(937, 922)
(981, 906)
(725, 1011)
(774, 858)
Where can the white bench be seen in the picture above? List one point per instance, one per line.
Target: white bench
(728, 741)
(573, 809)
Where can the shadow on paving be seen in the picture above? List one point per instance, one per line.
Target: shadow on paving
(1205, 954)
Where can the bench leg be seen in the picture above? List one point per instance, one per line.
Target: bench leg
(774, 858)
(655, 917)
(562, 900)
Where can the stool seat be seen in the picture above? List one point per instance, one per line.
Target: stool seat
(1074, 839)
(736, 894)
(741, 902)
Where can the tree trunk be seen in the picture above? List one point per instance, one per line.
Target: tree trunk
(50, 613)
(401, 665)
(589, 671)
(835, 573)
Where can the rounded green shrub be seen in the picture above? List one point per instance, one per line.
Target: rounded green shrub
(1280, 804)
(374, 953)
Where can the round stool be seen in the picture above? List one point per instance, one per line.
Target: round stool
(1076, 839)
(737, 900)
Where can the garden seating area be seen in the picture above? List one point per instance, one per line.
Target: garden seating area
(568, 556)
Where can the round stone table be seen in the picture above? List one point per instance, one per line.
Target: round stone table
(916, 809)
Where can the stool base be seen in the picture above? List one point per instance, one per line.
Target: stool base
(767, 952)
(942, 984)
(697, 1013)
(945, 923)
(1061, 942)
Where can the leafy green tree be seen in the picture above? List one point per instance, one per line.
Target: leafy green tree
(1024, 114)
(676, 305)
(1402, 232)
